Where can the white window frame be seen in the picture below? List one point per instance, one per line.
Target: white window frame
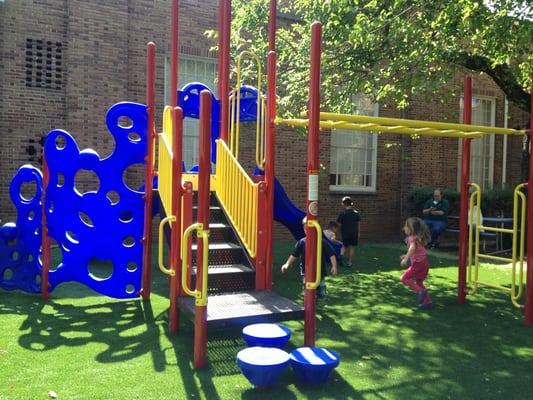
(190, 141)
(373, 172)
(490, 180)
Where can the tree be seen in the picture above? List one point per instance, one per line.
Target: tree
(392, 50)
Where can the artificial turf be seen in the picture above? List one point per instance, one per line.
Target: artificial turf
(81, 345)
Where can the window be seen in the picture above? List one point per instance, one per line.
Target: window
(353, 154)
(44, 64)
(482, 149)
(192, 69)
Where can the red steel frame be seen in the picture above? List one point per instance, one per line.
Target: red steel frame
(465, 181)
(200, 316)
(149, 172)
(45, 240)
(528, 311)
(224, 22)
(312, 169)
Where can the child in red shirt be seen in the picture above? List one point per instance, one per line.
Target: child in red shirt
(418, 236)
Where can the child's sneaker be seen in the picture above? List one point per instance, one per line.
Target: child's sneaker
(422, 295)
(425, 306)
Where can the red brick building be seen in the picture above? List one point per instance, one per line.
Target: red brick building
(63, 63)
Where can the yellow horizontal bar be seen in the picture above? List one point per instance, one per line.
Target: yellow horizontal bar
(411, 123)
(381, 128)
(484, 228)
(503, 288)
(497, 258)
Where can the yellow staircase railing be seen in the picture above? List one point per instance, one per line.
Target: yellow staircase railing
(238, 195)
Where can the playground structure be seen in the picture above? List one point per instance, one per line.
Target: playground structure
(219, 216)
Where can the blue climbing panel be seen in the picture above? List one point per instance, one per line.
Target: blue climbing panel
(104, 226)
(20, 242)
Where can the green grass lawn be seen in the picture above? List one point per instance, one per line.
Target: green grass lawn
(85, 346)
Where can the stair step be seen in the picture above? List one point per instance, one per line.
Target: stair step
(220, 246)
(245, 308)
(210, 207)
(226, 269)
(218, 225)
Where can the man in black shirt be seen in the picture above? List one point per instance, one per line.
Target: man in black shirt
(349, 222)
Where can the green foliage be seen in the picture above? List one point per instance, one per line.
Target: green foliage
(391, 50)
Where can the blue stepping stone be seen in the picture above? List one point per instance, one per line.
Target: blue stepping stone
(262, 366)
(313, 364)
(266, 335)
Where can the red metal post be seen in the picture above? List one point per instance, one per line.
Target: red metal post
(263, 238)
(465, 178)
(200, 316)
(270, 156)
(224, 30)
(45, 240)
(272, 26)
(313, 144)
(175, 226)
(528, 317)
(174, 54)
(149, 172)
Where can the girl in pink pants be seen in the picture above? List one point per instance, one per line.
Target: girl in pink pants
(417, 236)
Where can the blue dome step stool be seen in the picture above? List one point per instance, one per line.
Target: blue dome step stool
(266, 335)
(313, 365)
(262, 366)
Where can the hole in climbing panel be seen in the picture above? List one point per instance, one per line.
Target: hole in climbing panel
(100, 269)
(132, 266)
(37, 279)
(130, 289)
(30, 258)
(72, 237)
(86, 219)
(126, 216)
(60, 179)
(28, 190)
(37, 232)
(134, 137)
(15, 255)
(133, 177)
(125, 122)
(86, 181)
(51, 207)
(56, 256)
(128, 241)
(113, 197)
(31, 215)
(61, 142)
(12, 242)
(7, 275)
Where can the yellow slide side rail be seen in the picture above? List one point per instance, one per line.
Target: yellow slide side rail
(316, 283)
(165, 270)
(235, 106)
(164, 181)
(238, 194)
(200, 296)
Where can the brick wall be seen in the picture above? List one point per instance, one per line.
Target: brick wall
(103, 50)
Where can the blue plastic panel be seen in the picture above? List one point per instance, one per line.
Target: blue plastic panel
(104, 226)
(20, 243)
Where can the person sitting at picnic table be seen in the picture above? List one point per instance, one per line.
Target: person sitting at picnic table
(436, 216)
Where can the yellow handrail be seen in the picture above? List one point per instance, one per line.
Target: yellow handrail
(165, 184)
(199, 295)
(518, 195)
(235, 107)
(163, 269)
(238, 194)
(316, 283)
(476, 194)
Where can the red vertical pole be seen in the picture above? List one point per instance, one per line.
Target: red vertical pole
(224, 30)
(528, 318)
(272, 26)
(200, 316)
(313, 145)
(149, 172)
(174, 54)
(270, 156)
(463, 210)
(175, 227)
(45, 240)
